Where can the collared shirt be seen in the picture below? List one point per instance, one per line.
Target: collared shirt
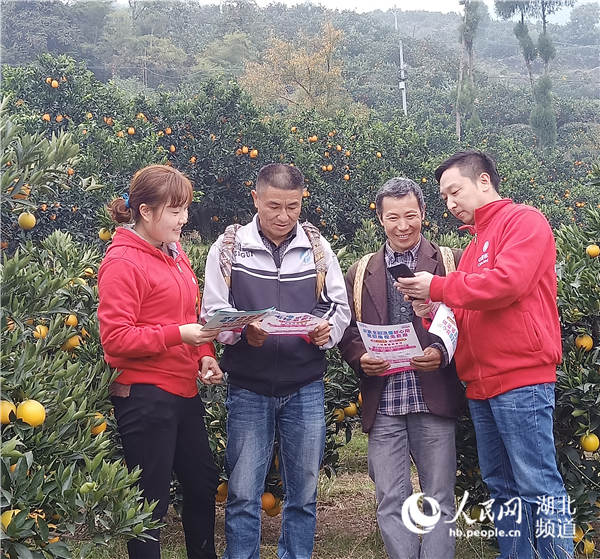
(402, 392)
(277, 250)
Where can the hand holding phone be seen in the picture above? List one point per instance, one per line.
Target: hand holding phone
(400, 271)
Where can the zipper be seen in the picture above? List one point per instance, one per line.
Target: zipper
(278, 308)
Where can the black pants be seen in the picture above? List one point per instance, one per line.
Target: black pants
(162, 432)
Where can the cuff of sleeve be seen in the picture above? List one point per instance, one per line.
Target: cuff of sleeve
(436, 289)
(444, 353)
(207, 350)
(172, 335)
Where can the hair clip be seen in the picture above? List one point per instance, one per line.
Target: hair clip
(125, 197)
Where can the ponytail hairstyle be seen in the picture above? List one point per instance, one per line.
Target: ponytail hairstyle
(156, 186)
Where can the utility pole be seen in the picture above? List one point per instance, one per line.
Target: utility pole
(401, 84)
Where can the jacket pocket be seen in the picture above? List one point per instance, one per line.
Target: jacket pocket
(531, 327)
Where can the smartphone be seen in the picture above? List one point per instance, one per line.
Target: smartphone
(400, 271)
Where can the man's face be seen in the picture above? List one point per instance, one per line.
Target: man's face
(462, 194)
(278, 211)
(401, 219)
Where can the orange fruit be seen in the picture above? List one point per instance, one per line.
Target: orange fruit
(588, 547)
(268, 500)
(293, 129)
(584, 341)
(172, 148)
(71, 320)
(359, 399)
(6, 517)
(104, 234)
(274, 511)
(41, 331)
(99, 428)
(70, 171)
(131, 131)
(31, 412)
(351, 409)
(330, 167)
(245, 149)
(48, 80)
(193, 159)
(592, 251)
(254, 154)
(6, 408)
(26, 221)
(71, 343)
(339, 415)
(589, 442)
(221, 495)
(54, 84)
(59, 118)
(372, 205)
(378, 154)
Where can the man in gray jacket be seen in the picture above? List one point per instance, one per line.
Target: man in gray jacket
(275, 382)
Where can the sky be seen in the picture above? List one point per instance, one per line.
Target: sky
(443, 6)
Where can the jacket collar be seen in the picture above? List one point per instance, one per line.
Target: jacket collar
(375, 275)
(250, 239)
(485, 214)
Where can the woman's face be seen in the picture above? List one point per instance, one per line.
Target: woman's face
(164, 224)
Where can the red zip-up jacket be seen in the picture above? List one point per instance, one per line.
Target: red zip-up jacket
(504, 298)
(144, 296)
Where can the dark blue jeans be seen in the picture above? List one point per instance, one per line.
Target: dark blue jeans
(252, 422)
(162, 432)
(517, 457)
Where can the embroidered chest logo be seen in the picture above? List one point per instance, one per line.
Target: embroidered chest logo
(307, 256)
(484, 258)
(239, 253)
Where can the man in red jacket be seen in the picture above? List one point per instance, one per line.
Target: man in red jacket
(504, 298)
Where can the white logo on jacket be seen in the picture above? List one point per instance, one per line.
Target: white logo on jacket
(484, 258)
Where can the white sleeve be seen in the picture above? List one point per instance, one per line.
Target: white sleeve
(333, 302)
(216, 292)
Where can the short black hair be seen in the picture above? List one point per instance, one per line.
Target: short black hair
(399, 187)
(471, 163)
(279, 175)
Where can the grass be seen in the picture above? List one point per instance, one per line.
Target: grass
(346, 525)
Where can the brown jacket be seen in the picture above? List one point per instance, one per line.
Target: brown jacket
(442, 391)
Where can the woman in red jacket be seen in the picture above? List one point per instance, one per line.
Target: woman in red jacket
(148, 314)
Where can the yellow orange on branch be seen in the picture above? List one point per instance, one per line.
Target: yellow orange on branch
(6, 408)
(31, 412)
(584, 341)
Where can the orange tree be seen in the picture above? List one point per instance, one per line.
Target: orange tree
(220, 139)
(60, 468)
(578, 386)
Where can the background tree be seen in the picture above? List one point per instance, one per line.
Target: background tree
(291, 75)
(506, 10)
(466, 91)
